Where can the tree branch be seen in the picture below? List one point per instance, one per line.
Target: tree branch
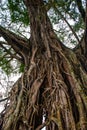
(12, 55)
(86, 29)
(18, 43)
(4, 99)
(67, 23)
(81, 9)
(21, 41)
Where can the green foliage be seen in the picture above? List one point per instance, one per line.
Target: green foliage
(78, 25)
(6, 66)
(5, 62)
(18, 11)
(67, 8)
(21, 68)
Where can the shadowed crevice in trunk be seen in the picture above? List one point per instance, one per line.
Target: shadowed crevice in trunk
(72, 99)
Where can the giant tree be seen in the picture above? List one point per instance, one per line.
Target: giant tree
(53, 85)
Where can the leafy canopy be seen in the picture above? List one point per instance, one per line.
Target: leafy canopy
(18, 11)
(64, 14)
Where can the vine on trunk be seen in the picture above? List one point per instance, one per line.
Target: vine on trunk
(53, 84)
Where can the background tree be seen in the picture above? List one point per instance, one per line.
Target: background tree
(54, 82)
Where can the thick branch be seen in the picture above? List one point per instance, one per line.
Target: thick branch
(21, 41)
(18, 43)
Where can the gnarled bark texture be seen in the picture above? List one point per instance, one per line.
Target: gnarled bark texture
(53, 85)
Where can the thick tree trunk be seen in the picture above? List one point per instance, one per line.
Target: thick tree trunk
(53, 85)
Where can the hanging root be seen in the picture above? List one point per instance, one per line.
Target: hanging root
(51, 89)
(23, 102)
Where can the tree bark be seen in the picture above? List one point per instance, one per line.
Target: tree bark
(53, 85)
